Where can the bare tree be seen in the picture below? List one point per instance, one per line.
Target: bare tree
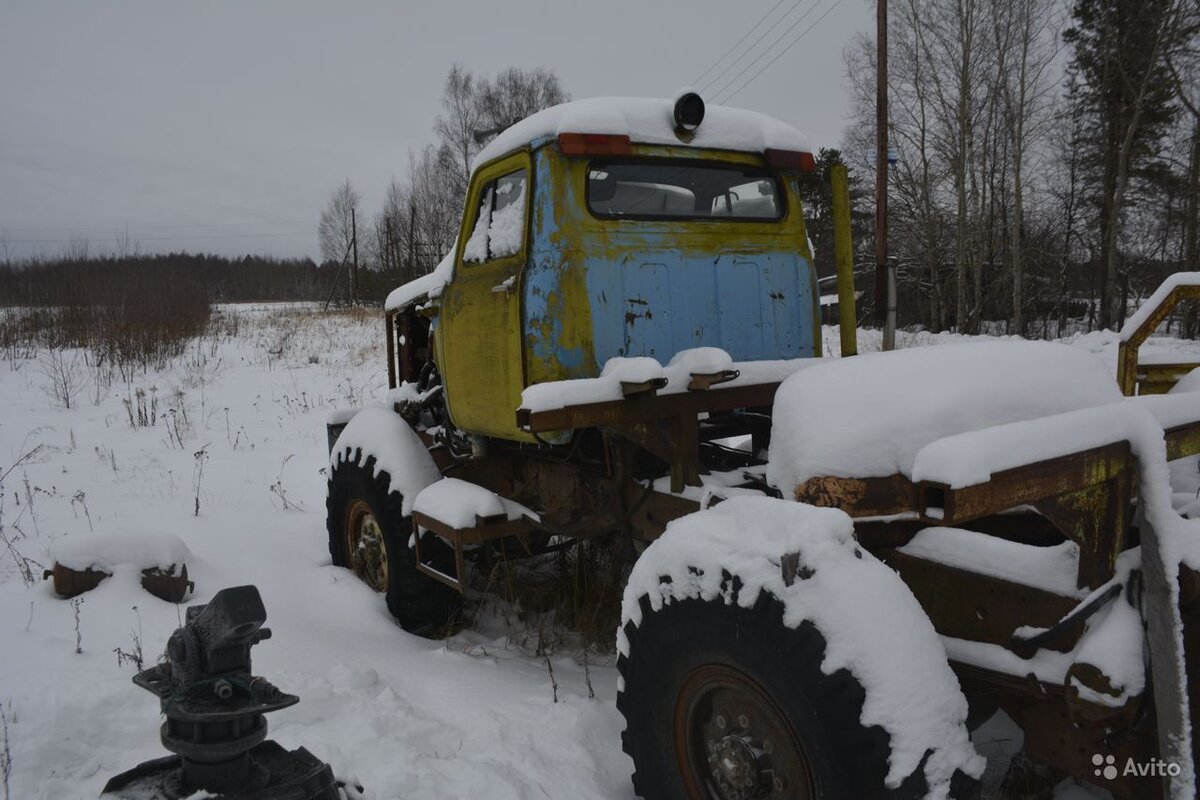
(336, 229)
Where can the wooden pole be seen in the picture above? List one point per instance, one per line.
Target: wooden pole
(844, 258)
(354, 269)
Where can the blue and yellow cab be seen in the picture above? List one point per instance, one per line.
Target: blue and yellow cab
(619, 227)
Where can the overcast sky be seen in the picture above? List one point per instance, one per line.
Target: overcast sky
(224, 126)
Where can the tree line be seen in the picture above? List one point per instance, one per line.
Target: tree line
(1047, 157)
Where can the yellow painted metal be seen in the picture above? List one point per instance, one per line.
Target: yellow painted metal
(478, 340)
(1127, 351)
(570, 309)
(844, 256)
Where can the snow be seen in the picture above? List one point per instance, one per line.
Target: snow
(104, 551)
(971, 458)
(427, 286)
(476, 247)
(1138, 318)
(1188, 383)
(507, 229)
(1053, 569)
(647, 121)
(469, 717)
(872, 624)
(700, 360)
(870, 415)
(457, 503)
(397, 449)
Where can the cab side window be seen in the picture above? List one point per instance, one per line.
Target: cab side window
(499, 228)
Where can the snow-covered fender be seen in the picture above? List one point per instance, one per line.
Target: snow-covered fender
(398, 451)
(807, 559)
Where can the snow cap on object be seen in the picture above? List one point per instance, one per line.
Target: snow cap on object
(647, 120)
(868, 416)
(872, 624)
(397, 449)
(1188, 383)
(105, 551)
(1139, 317)
(430, 285)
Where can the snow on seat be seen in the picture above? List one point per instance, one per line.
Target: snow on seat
(460, 504)
(869, 416)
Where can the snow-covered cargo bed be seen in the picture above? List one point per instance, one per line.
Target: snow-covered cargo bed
(869, 416)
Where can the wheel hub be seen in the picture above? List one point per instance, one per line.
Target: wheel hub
(734, 743)
(368, 556)
(739, 767)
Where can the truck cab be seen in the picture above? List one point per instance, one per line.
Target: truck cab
(613, 228)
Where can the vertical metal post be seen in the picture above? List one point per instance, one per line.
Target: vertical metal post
(889, 324)
(844, 258)
(881, 172)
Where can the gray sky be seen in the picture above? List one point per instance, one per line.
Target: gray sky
(224, 126)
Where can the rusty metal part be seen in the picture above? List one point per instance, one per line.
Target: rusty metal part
(980, 608)
(1160, 378)
(486, 529)
(1085, 494)
(1084, 711)
(665, 425)
(703, 381)
(364, 545)
(164, 584)
(860, 497)
(1183, 441)
(733, 742)
(71, 582)
(1189, 606)
(1127, 351)
(639, 388)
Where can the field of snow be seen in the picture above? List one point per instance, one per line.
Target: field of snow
(232, 460)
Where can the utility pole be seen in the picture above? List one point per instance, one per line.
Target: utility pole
(882, 296)
(412, 238)
(354, 269)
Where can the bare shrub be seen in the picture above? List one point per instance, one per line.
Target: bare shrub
(64, 379)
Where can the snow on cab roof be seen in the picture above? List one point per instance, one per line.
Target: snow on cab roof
(647, 120)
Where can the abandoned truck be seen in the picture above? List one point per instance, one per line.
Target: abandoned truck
(838, 567)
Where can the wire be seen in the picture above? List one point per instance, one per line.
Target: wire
(745, 35)
(793, 43)
(765, 51)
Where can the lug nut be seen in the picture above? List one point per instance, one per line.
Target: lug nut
(743, 721)
(722, 723)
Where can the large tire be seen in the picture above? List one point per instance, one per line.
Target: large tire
(708, 677)
(369, 533)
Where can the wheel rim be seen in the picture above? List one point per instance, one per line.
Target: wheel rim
(364, 546)
(732, 742)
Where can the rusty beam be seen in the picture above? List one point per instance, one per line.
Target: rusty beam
(1183, 441)
(1127, 351)
(644, 409)
(978, 607)
(860, 497)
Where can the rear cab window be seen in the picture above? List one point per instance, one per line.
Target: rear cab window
(676, 189)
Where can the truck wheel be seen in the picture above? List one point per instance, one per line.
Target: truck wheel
(727, 703)
(369, 534)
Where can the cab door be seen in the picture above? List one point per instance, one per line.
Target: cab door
(479, 336)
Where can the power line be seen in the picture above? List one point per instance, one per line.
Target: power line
(745, 35)
(792, 44)
(766, 50)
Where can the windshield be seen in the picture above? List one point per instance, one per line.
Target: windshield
(682, 190)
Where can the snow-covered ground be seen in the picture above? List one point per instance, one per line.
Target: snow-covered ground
(233, 462)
